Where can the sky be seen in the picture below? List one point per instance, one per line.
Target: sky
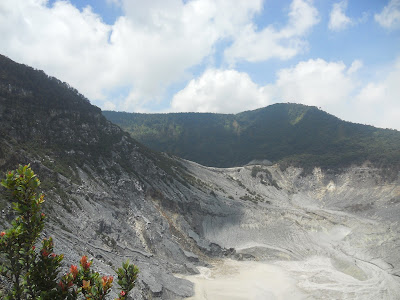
(223, 56)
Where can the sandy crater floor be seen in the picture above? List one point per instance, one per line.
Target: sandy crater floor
(314, 278)
(249, 280)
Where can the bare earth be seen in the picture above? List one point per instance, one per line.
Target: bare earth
(240, 280)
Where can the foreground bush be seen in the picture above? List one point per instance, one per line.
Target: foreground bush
(34, 273)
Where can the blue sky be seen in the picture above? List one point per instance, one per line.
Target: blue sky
(221, 56)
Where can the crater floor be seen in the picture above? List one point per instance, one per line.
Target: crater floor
(301, 237)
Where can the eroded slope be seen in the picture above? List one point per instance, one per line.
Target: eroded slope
(337, 235)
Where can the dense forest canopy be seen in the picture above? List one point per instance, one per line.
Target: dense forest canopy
(291, 134)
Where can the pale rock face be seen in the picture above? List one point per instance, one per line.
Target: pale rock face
(335, 236)
(322, 235)
(330, 235)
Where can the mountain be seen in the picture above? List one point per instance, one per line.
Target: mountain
(103, 189)
(320, 234)
(289, 134)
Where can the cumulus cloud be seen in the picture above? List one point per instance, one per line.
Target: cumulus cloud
(389, 17)
(151, 46)
(333, 86)
(355, 66)
(62, 40)
(109, 105)
(312, 82)
(379, 101)
(315, 82)
(155, 43)
(227, 91)
(255, 45)
(338, 19)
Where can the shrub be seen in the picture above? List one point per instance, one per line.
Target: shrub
(34, 273)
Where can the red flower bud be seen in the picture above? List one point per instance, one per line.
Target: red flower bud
(104, 280)
(84, 263)
(53, 255)
(2, 233)
(33, 247)
(122, 293)
(74, 271)
(83, 260)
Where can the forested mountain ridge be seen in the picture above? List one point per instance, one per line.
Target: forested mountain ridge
(291, 134)
(102, 187)
(111, 198)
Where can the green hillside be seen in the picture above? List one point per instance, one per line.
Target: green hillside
(287, 133)
(42, 117)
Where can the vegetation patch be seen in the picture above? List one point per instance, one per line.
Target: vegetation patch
(286, 133)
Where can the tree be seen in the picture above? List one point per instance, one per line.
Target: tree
(34, 273)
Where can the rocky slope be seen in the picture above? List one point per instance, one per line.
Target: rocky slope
(102, 187)
(112, 198)
(320, 227)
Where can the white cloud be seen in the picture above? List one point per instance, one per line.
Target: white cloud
(254, 46)
(333, 86)
(390, 15)
(379, 101)
(62, 40)
(312, 82)
(156, 42)
(302, 17)
(338, 19)
(226, 91)
(355, 66)
(109, 106)
(149, 48)
(315, 82)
